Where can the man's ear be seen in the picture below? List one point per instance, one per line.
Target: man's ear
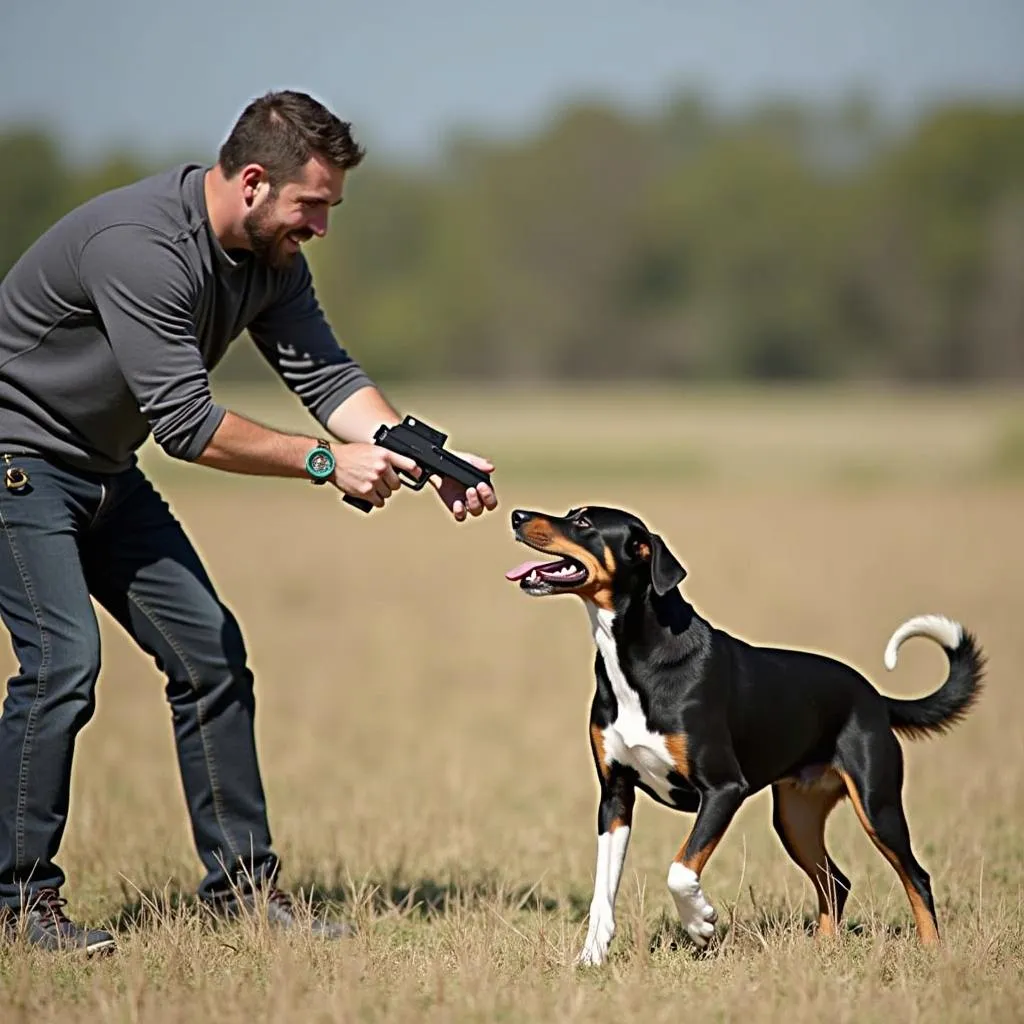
(666, 571)
(254, 180)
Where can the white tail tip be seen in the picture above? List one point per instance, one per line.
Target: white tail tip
(937, 627)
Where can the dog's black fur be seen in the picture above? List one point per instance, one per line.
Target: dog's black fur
(739, 717)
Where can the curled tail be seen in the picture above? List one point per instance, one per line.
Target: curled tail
(945, 707)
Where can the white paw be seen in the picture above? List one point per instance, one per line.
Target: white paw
(696, 915)
(698, 918)
(599, 938)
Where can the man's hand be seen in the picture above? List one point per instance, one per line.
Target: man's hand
(460, 499)
(369, 471)
(356, 420)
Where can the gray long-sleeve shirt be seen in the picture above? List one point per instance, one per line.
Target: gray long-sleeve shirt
(112, 320)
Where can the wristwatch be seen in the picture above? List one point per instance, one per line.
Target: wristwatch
(320, 462)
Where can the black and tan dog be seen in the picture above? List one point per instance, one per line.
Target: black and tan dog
(700, 720)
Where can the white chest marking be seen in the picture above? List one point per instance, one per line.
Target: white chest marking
(628, 740)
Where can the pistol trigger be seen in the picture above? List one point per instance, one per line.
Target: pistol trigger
(414, 483)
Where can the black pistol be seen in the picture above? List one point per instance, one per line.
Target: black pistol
(425, 445)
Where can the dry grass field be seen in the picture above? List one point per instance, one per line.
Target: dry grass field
(423, 729)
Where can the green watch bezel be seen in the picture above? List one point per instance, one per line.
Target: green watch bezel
(320, 462)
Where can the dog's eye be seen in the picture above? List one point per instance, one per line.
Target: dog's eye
(583, 522)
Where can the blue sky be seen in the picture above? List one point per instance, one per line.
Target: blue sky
(173, 76)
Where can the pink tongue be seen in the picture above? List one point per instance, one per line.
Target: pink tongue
(523, 570)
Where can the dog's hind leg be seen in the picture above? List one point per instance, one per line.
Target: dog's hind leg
(614, 821)
(799, 814)
(873, 773)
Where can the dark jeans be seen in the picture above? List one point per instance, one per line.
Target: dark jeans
(68, 537)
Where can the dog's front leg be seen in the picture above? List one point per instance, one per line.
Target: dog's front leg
(717, 808)
(614, 821)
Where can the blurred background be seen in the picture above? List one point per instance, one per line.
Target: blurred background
(573, 192)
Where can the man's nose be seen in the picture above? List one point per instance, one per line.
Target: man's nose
(318, 224)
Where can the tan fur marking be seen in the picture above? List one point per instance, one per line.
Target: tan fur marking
(617, 823)
(679, 751)
(697, 862)
(609, 562)
(926, 927)
(802, 815)
(599, 587)
(538, 532)
(597, 741)
(601, 596)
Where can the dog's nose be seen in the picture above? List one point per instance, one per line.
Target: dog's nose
(518, 518)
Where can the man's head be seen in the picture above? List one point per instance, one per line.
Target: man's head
(282, 168)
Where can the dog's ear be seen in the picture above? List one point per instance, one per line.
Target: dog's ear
(666, 570)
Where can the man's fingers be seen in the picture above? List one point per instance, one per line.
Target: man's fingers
(479, 498)
(487, 496)
(372, 495)
(476, 460)
(473, 502)
(402, 462)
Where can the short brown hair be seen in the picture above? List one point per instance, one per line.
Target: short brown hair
(281, 131)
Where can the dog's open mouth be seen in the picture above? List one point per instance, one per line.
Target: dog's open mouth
(540, 576)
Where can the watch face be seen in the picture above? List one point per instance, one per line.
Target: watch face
(320, 463)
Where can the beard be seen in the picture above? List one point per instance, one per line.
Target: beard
(267, 241)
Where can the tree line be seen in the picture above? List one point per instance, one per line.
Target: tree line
(785, 242)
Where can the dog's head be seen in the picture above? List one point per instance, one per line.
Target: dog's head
(601, 554)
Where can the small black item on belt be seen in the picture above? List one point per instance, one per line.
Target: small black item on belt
(15, 478)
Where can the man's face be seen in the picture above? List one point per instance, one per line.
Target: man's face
(278, 223)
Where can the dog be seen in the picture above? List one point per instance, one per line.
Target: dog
(700, 720)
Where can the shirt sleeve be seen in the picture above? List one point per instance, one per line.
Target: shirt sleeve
(145, 297)
(294, 336)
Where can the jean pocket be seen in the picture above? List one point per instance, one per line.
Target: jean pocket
(25, 476)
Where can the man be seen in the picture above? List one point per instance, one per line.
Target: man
(109, 325)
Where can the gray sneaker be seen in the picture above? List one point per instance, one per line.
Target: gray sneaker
(43, 923)
(279, 910)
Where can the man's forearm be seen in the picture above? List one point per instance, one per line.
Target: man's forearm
(239, 445)
(359, 416)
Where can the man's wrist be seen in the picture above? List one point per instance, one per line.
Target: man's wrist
(320, 462)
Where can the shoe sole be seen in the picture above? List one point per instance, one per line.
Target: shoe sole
(103, 946)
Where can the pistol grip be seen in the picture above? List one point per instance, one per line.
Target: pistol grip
(360, 503)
